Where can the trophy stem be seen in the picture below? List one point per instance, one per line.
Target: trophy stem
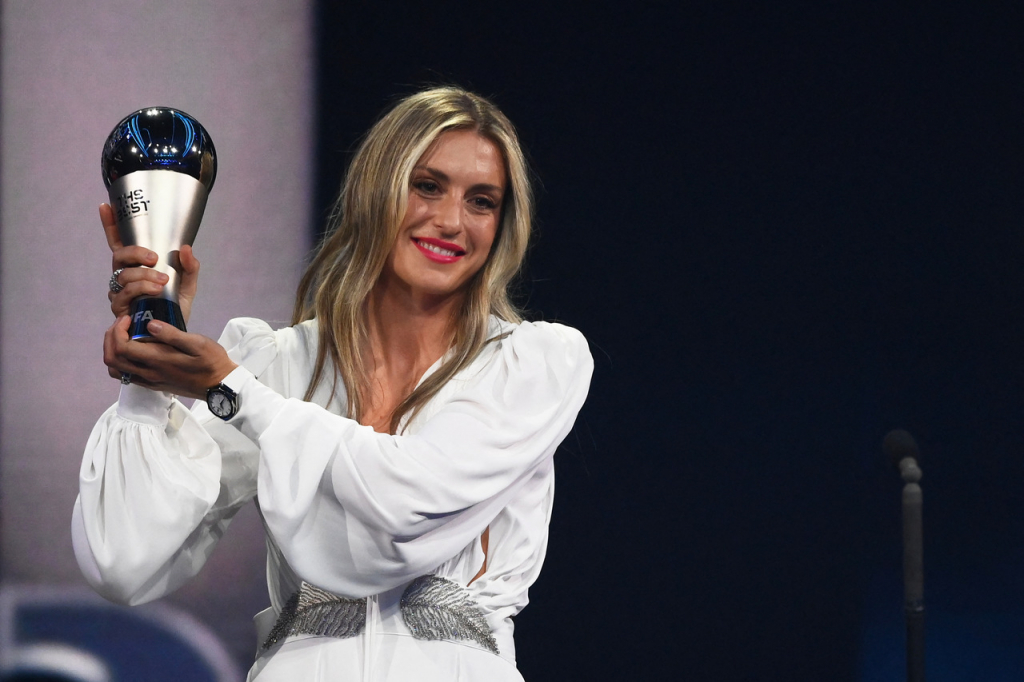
(145, 309)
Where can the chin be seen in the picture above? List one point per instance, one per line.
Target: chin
(440, 291)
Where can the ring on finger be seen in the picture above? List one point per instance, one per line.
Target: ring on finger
(114, 285)
(126, 378)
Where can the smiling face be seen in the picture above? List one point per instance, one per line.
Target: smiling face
(455, 197)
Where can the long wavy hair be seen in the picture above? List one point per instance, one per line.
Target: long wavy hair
(364, 225)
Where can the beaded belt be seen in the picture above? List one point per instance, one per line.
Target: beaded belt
(433, 608)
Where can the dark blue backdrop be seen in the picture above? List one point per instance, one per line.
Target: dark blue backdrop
(784, 232)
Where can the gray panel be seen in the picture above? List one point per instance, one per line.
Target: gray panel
(70, 72)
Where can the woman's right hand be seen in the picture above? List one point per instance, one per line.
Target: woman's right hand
(138, 280)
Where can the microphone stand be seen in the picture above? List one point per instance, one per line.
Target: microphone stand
(902, 450)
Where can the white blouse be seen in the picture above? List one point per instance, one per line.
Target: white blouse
(349, 510)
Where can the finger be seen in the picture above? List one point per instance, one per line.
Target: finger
(189, 262)
(118, 305)
(138, 281)
(140, 380)
(189, 270)
(118, 334)
(121, 302)
(133, 256)
(113, 339)
(124, 356)
(170, 335)
(136, 379)
(110, 227)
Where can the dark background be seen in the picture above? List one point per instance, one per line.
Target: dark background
(784, 231)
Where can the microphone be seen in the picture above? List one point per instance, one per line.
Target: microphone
(902, 451)
(899, 445)
(159, 165)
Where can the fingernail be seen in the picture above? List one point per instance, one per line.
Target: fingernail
(155, 327)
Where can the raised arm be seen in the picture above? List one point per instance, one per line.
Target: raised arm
(358, 512)
(159, 484)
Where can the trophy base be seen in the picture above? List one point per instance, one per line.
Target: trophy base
(145, 309)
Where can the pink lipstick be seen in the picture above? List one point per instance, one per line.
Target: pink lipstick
(438, 250)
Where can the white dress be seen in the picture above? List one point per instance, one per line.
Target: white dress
(350, 511)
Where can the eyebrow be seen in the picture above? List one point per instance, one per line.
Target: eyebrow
(441, 175)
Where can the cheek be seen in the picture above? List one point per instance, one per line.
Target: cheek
(486, 236)
(414, 210)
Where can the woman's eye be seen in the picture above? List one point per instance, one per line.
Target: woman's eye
(484, 203)
(426, 186)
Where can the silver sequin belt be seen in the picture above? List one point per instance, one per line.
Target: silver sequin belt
(432, 607)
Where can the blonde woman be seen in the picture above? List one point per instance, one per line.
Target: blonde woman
(398, 438)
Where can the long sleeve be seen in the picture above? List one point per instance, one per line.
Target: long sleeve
(159, 484)
(357, 512)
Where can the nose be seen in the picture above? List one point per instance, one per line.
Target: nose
(449, 215)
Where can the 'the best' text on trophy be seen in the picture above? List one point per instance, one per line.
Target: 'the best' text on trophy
(159, 165)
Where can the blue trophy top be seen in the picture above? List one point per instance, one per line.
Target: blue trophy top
(159, 138)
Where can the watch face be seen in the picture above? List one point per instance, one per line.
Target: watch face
(220, 404)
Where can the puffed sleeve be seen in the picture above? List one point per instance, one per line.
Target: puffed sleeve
(159, 483)
(357, 512)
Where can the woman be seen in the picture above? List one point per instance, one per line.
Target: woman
(398, 438)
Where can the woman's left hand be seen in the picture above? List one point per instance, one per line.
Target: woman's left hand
(174, 362)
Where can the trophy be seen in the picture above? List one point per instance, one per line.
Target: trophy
(159, 165)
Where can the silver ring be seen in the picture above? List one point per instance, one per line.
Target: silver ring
(114, 285)
(126, 378)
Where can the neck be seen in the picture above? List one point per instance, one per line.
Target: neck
(408, 334)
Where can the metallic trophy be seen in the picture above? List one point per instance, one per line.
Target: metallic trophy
(159, 165)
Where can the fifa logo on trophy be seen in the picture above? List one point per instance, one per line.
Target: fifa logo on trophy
(159, 165)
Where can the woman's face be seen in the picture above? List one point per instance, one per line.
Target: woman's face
(455, 199)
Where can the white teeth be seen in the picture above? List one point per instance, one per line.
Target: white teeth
(437, 249)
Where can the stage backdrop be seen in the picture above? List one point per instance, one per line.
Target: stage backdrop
(70, 72)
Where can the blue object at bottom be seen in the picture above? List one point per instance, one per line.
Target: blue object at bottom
(144, 310)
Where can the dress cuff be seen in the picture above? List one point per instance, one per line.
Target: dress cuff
(140, 404)
(257, 404)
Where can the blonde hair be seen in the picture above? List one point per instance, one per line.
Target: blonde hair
(363, 228)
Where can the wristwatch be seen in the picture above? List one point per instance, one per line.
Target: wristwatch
(222, 401)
